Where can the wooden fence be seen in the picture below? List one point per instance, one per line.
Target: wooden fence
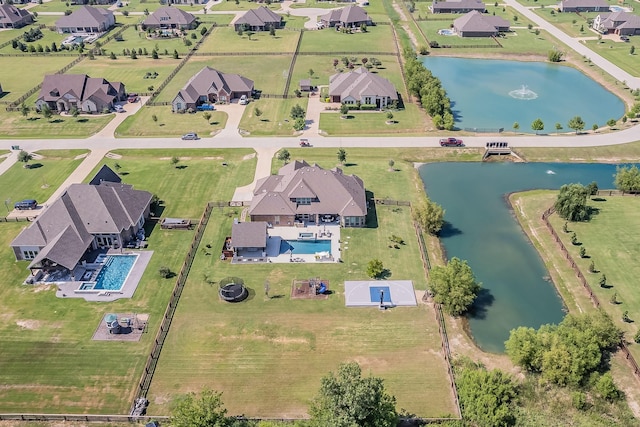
(584, 283)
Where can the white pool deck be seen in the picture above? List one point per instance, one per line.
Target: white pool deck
(357, 293)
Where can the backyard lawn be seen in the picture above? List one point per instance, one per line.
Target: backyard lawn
(275, 119)
(225, 39)
(134, 39)
(377, 40)
(42, 178)
(269, 73)
(170, 124)
(411, 120)
(131, 72)
(49, 37)
(32, 69)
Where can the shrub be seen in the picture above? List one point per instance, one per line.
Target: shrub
(165, 272)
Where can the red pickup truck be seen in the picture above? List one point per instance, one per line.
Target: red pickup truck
(451, 142)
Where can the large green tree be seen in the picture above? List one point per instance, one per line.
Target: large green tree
(203, 410)
(454, 286)
(571, 203)
(284, 156)
(346, 399)
(576, 123)
(627, 179)
(429, 215)
(537, 125)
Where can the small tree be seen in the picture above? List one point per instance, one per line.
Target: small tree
(206, 116)
(25, 110)
(391, 164)
(583, 252)
(299, 124)
(603, 281)
(429, 215)
(632, 50)
(375, 269)
(576, 123)
(595, 127)
(516, 126)
(454, 286)
(625, 317)
(174, 161)
(112, 55)
(204, 410)
(25, 158)
(342, 156)
(297, 112)
(249, 34)
(203, 31)
(558, 127)
(592, 267)
(565, 227)
(636, 337)
(555, 55)
(592, 189)
(284, 156)
(344, 110)
(614, 298)
(74, 112)
(537, 125)
(611, 123)
(257, 112)
(154, 118)
(311, 73)
(571, 202)
(117, 167)
(272, 31)
(390, 117)
(165, 272)
(46, 111)
(574, 239)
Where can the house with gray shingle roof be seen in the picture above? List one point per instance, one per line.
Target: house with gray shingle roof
(211, 86)
(621, 23)
(361, 86)
(475, 24)
(301, 192)
(62, 92)
(86, 19)
(260, 19)
(170, 18)
(85, 217)
(12, 17)
(583, 5)
(350, 16)
(458, 6)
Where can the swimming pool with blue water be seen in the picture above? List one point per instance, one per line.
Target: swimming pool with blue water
(113, 274)
(305, 247)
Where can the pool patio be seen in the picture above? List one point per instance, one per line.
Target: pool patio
(277, 234)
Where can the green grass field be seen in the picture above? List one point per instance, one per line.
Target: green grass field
(225, 39)
(268, 72)
(378, 39)
(32, 70)
(619, 53)
(614, 251)
(42, 179)
(134, 39)
(129, 71)
(410, 121)
(14, 125)
(49, 37)
(275, 119)
(169, 123)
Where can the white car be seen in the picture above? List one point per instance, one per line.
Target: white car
(243, 100)
(118, 108)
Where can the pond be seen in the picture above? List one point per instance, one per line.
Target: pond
(482, 230)
(493, 94)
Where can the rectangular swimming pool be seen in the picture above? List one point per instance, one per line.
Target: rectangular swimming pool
(305, 247)
(113, 274)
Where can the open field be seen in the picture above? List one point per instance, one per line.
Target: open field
(49, 37)
(378, 39)
(613, 153)
(618, 52)
(134, 39)
(570, 23)
(170, 124)
(275, 119)
(7, 35)
(410, 121)
(200, 176)
(129, 71)
(32, 71)
(268, 72)
(41, 180)
(225, 39)
(14, 125)
(614, 251)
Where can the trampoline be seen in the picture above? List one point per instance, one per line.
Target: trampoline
(232, 289)
(369, 293)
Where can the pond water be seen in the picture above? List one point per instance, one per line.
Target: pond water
(482, 230)
(493, 94)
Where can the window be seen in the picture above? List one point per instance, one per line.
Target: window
(29, 254)
(303, 200)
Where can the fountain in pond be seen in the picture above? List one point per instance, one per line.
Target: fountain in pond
(523, 93)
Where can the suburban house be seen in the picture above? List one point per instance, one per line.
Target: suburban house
(85, 217)
(260, 19)
(476, 24)
(621, 23)
(12, 17)
(301, 192)
(77, 2)
(350, 16)
(187, 2)
(361, 86)
(583, 6)
(86, 19)
(458, 6)
(249, 237)
(170, 18)
(61, 92)
(210, 86)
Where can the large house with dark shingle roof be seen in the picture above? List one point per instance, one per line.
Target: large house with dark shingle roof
(476, 24)
(260, 19)
(12, 17)
(458, 6)
(621, 23)
(361, 86)
(86, 19)
(583, 5)
(301, 192)
(83, 218)
(170, 18)
(210, 86)
(62, 92)
(350, 16)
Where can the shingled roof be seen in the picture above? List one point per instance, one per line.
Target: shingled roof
(81, 86)
(249, 235)
(9, 14)
(84, 16)
(258, 17)
(359, 83)
(336, 193)
(170, 15)
(476, 22)
(209, 80)
(347, 15)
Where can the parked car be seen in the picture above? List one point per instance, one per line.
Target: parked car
(450, 142)
(133, 97)
(243, 100)
(624, 38)
(205, 107)
(26, 205)
(190, 136)
(118, 108)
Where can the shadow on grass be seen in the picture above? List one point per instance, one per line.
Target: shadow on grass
(372, 213)
(35, 166)
(182, 167)
(56, 121)
(82, 120)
